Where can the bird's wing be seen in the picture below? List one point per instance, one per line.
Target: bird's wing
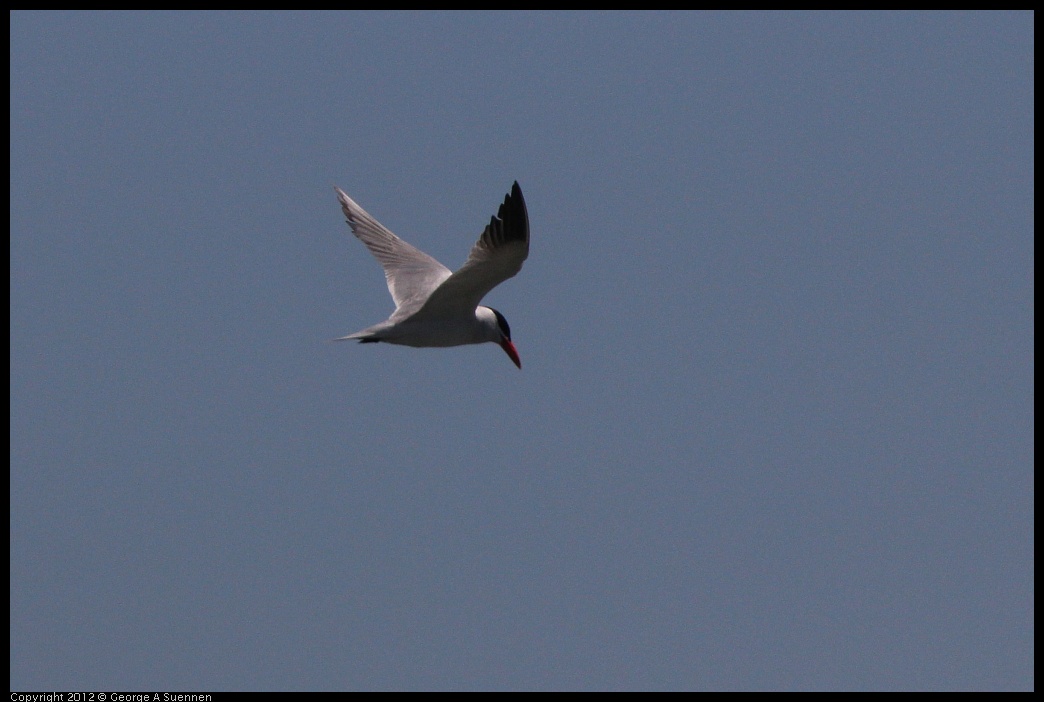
(496, 256)
(412, 274)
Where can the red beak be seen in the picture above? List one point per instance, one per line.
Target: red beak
(511, 351)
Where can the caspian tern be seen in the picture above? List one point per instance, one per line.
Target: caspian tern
(434, 307)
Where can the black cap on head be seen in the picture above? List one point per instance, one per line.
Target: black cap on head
(502, 323)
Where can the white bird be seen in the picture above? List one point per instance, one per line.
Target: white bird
(434, 307)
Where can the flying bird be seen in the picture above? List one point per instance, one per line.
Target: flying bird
(437, 307)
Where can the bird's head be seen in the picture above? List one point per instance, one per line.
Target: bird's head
(500, 332)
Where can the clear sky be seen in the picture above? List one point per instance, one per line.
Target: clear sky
(774, 423)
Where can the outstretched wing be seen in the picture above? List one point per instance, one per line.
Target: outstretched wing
(496, 256)
(412, 274)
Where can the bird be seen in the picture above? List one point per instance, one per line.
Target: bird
(433, 306)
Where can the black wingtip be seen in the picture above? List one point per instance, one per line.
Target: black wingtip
(514, 215)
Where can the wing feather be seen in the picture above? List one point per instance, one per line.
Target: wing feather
(496, 256)
(412, 275)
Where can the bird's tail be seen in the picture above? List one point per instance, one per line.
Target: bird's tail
(362, 339)
(370, 335)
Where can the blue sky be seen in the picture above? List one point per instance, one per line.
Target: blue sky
(773, 427)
